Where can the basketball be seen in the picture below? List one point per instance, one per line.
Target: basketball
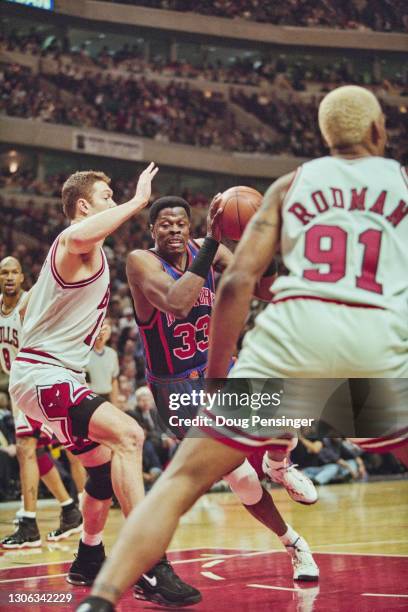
(240, 204)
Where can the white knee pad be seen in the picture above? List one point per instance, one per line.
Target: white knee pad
(244, 482)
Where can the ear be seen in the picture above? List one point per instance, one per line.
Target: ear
(83, 207)
(22, 278)
(151, 227)
(375, 134)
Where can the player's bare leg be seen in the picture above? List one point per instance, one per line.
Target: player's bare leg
(29, 471)
(119, 432)
(78, 472)
(115, 465)
(149, 529)
(95, 510)
(54, 484)
(123, 439)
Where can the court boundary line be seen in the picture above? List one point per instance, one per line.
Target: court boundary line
(218, 556)
(384, 595)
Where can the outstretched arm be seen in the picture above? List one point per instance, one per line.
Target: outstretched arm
(251, 258)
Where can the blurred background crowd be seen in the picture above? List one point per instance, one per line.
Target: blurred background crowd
(381, 15)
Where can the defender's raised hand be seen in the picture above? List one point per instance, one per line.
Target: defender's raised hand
(144, 184)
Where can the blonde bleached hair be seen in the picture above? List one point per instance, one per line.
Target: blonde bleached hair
(346, 114)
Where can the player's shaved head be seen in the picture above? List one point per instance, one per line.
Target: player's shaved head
(346, 115)
(11, 261)
(11, 276)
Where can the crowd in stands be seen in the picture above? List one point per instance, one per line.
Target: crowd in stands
(280, 70)
(27, 182)
(172, 113)
(296, 127)
(175, 112)
(381, 15)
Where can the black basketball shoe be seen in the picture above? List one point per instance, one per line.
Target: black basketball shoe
(87, 564)
(70, 522)
(25, 536)
(162, 585)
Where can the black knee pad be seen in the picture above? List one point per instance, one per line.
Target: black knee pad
(99, 482)
(81, 414)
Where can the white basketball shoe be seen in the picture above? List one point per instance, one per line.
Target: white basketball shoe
(304, 566)
(300, 488)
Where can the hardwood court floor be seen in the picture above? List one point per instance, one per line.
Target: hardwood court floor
(358, 533)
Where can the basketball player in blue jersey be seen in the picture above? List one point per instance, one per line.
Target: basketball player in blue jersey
(173, 291)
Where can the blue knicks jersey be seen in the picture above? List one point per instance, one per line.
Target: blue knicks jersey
(171, 345)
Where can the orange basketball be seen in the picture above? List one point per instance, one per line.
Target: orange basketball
(240, 204)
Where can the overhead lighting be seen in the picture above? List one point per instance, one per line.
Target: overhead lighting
(13, 166)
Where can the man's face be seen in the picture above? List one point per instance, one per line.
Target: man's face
(105, 333)
(11, 278)
(171, 230)
(145, 401)
(101, 198)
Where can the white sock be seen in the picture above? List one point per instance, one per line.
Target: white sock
(31, 515)
(67, 502)
(91, 539)
(289, 537)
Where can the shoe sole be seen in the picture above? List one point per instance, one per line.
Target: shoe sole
(305, 503)
(156, 598)
(35, 544)
(64, 535)
(76, 582)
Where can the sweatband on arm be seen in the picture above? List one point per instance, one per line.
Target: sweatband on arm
(204, 258)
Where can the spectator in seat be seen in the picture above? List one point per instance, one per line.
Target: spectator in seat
(103, 367)
(338, 460)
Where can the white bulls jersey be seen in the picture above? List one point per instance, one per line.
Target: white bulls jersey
(10, 335)
(345, 233)
(63, 319)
